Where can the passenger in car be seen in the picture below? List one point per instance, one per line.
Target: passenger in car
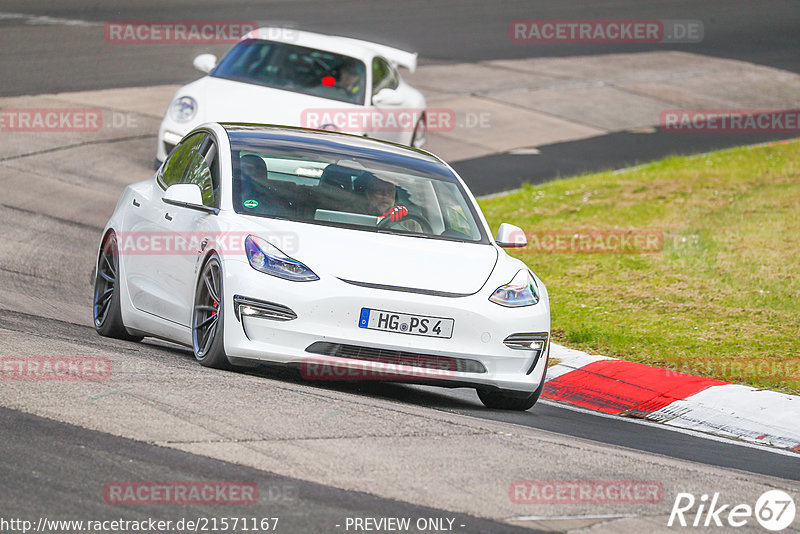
(257, 193)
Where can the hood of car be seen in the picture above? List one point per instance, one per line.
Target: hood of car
(221, 100)
(381, 259)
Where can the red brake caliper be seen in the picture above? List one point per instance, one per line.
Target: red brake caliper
(215, 305)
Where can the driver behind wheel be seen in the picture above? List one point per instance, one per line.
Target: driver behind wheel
(381, 200)
(380, 196)
(351, 79)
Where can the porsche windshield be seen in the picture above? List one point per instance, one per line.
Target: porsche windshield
(356, 190)
(295, 68)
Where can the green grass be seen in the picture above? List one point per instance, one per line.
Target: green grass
(722, 299)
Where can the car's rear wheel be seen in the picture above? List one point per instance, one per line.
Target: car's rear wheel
(106, 306)
(207, 317)
(498, 399)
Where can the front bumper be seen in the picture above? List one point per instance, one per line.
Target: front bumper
(328, 312)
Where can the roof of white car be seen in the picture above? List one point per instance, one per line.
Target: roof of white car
(363, 50)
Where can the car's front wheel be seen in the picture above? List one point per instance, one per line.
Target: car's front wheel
(106, 306)
(498, 399)
(207, 317)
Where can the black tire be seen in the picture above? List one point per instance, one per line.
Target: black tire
(207, 317)
(498, 399)
(106, 311)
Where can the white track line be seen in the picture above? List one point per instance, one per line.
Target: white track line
(39, 20)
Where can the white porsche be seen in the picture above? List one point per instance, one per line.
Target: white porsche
(351, 258)
(298, 78)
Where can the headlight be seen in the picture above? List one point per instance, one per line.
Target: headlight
(183, 109)
(265, 257)
(520, 291)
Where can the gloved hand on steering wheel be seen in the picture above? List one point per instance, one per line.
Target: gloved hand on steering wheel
(395, 213)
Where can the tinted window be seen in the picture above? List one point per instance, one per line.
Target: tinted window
(295, 68)
(382, 75)
(180, 158)
(200, 173)
(349, 188)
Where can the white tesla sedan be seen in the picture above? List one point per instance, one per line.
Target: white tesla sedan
(299, 78)
(352, 258)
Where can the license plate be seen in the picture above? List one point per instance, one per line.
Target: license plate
(403, 323)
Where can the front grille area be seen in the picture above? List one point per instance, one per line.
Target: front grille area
(397, 357)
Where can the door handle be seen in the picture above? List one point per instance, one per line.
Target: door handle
(135, 203)
(167, 216)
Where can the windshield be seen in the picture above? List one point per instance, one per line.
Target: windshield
(356, 190)
(295, 68)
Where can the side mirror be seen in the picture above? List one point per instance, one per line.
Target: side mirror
(205, 62)
(388, 97)
(510, 236)
(187, 196)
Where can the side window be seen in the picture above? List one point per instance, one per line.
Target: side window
(179, 159)
(200, 172)
(383, 75)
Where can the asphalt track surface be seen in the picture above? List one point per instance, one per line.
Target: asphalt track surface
(47, 58)
(503, 172)
(62, 54)
(69, 462)
(54, 468)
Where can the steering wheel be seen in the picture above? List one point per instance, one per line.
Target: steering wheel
(387, 222)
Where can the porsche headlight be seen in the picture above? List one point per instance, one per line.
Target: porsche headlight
(265, 257)
(183, 109)
(520, 291)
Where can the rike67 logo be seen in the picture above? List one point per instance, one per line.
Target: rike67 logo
(774, 510)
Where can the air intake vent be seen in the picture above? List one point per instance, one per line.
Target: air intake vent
(397, 357)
